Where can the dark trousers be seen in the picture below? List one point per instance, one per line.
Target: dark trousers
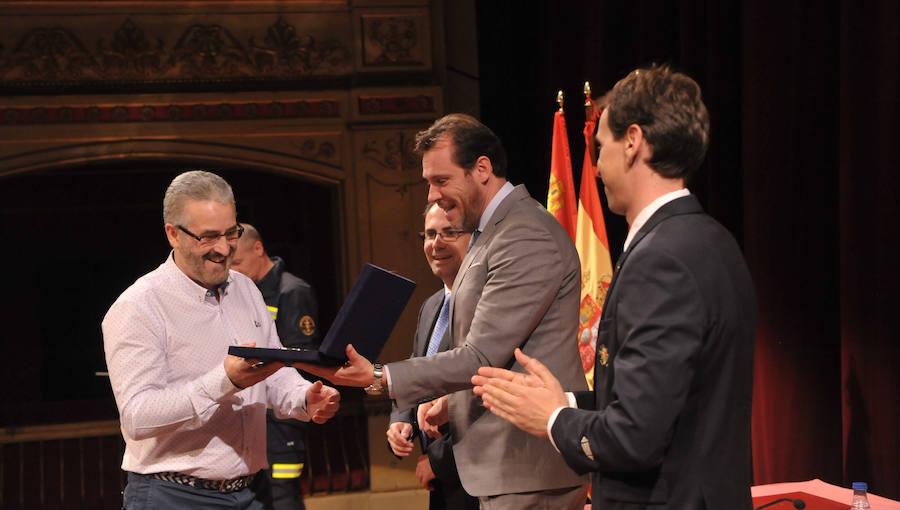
(145, 493)
(286, 451)
(450, 496)
(280, 493)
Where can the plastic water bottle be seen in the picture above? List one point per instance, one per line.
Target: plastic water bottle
(860, 500)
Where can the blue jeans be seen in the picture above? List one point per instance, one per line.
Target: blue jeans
(145, 493)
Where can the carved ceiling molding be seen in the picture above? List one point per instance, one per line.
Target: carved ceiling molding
(178, 49)
(170, 112)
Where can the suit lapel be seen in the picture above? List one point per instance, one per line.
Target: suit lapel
(679, 206)
(474, 254)
(446, 342)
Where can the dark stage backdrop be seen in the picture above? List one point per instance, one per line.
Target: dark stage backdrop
(802, 169)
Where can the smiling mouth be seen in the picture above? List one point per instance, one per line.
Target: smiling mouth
(446, 206)
(217, 259)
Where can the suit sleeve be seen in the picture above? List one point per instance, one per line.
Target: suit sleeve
(521, 274)
(659, 322)
(584, 399)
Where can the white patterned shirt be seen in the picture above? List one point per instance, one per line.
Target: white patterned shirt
(166, 339)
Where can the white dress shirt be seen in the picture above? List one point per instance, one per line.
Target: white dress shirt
(166, 339)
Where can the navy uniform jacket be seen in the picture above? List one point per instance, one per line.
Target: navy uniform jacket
(296, 313)
(448, 493)
(293, 306)
(668, 423)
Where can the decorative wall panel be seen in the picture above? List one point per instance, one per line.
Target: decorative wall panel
(392, 197)
(395, 104)
(393, 39)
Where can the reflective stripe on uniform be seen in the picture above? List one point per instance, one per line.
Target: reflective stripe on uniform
(287, 470)
(274, 310)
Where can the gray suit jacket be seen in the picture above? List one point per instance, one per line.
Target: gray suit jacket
(519, 286)
(668, 424)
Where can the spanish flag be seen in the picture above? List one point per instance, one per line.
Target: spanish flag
(561, 201)
(593, 250)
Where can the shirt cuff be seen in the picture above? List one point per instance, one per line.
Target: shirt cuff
(572, 403)
(390, 386)
(217, 385)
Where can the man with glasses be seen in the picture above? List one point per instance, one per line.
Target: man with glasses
(445, 248)
(518, 287)
(193, 417)
(296, 313)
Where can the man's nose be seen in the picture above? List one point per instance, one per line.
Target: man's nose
(222, 246)
(434, 193)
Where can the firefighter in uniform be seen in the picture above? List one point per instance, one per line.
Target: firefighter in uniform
(295, 311)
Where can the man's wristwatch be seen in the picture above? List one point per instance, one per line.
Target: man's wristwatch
(376, 388)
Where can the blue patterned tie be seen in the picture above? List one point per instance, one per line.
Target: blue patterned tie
(440, 328)
(436, 335)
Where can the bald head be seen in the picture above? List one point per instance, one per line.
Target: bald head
(251, 258)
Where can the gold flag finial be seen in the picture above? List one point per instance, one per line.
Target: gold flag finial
(559, 99)
(587, 93)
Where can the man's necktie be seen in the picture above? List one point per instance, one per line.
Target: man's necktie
(440, 327)
(475, 235)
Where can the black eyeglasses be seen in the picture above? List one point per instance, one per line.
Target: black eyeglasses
(447, 235)
(232, 234)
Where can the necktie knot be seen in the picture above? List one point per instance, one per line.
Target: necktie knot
(475, 234)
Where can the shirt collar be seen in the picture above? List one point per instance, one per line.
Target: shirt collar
(189, 286)
(492, 206)
(648, 211)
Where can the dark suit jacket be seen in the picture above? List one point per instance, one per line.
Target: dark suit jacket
(668, 422)
(518, 286)
(448, 493)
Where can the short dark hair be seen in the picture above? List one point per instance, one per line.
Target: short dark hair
(668, 107)
(470, 140)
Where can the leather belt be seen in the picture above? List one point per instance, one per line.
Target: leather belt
(232, 485)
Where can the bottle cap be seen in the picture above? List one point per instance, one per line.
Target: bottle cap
(860, 486)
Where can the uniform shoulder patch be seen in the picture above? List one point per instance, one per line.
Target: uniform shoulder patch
(307, 325)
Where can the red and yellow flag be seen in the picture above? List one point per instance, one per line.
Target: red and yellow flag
(561, 201)
(593, 249)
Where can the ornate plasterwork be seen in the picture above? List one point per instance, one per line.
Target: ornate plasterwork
(150, 51)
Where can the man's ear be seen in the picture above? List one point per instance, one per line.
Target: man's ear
(172, 235)
(258, 248)
(483, 169)
(634, 139)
